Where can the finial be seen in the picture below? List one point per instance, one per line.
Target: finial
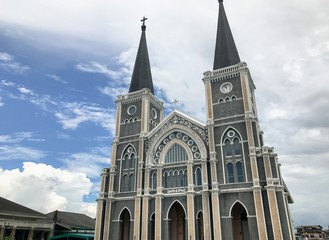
(220, 1)
(143, 26)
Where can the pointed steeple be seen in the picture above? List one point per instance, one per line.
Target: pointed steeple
(142, 77)
(226, 53)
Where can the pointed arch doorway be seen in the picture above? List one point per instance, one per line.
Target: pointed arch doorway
(177, 222)
(240, 222)
(200, 230)
(124, 225)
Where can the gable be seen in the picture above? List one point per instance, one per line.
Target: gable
(180, 128)
(179, 119)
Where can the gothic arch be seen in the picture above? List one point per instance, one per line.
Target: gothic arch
(237, 201)
(170, 206)
(222, 144)
(125, 208)
(170, 145)
(177, 221)
(125, 220)
(171, 129)
(125, 150)
(152, 216)
(197, 214)
(152, 226)
(227, 129)
(239, 220)
(199, 218)
(154, 181)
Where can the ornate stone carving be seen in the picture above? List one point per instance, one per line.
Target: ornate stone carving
(177, 135)
(203, 133)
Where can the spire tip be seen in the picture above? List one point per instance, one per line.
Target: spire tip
(143, 26)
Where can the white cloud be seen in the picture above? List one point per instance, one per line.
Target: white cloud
(41, 183)
(16, 152)
(113, 92)
(5, 57)
(69, 114)
(25, 90)
(72, 114)
(7, 84)
(91, 163)
(19, 137)
(63, 136)
(1, 102)
(306, 176)
(8, 63)
(56, 78)
(95, 67)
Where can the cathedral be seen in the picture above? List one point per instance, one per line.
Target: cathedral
(175, 178)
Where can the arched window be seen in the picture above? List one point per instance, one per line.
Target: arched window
(171, 179)
(182, 178)
(176, 154)
(230, 172)
(128, 169)
(233, 156)
(124, 183)
(177, 180)
(154, 181)
(237, 147)
(233, 97)
(132, 161)
(165, 179)
(239, 171)
(125, 161)
(131, 183)
(198, 177)
(185, 178)
(228, 148)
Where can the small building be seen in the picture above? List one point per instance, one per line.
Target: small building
(22, 223)
(68, 225)
(311, 232)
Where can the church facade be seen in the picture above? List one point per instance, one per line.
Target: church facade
(176, 178)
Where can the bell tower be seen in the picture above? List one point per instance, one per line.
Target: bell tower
(138, 112)
(245, 174)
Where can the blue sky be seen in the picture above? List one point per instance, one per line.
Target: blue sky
(62, 64)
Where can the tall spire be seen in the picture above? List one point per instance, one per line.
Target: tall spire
(226, 53)
(142, 77)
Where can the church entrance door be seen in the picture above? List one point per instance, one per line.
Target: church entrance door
(240, 223)
(200, 233)
(177, 222)
(125, 225)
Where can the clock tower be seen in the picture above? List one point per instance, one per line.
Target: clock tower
(138, 112)
(245, 173)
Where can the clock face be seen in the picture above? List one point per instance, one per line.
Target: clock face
(131, 109)
(226, 87)
(154, 113)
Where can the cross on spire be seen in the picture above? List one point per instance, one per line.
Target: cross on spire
(143, 20)
(143, 26)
